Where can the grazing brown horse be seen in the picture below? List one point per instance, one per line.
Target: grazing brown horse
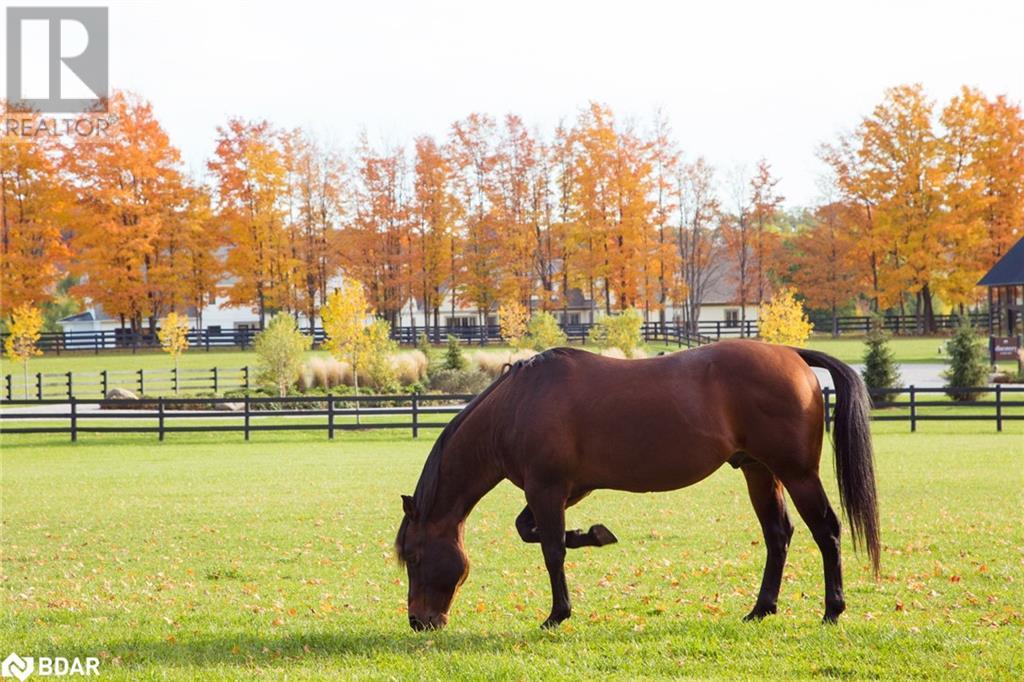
(567, 422)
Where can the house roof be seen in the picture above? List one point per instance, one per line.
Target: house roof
(91, 315)
(1009, 270)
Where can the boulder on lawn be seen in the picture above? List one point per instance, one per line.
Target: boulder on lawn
(120, 394)
(229, 407)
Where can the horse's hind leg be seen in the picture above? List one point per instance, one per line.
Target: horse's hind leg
(770, 505)
(597, 536)
(812, 503)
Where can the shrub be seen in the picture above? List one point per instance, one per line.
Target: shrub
(622, 331)
(453, 358)
(543, 332)
(448, 380)
(423, 345)
(880, 369)
(325, 373)
(409, 367)
(376, 357)
(492, 362)
(783, 320)
(968, 362)
(279, 350)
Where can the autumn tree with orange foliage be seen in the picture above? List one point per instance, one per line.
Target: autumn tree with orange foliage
(612, 189)
(823, 260)
(376, 241)
(936, 195)
(249, 174)
(434, 213)
(129, 189)
(471, 152)
(316, 189)
(33, 207)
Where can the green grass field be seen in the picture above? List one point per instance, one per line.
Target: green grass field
(208, 557)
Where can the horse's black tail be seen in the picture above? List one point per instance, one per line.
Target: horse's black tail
(851, 438)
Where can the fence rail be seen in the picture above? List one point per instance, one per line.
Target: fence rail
(55, 385)
(671, 332)
(414, 412)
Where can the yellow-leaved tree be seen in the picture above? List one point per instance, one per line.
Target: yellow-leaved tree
(783, 320)
(20, 344)
(351, 336)
(512, 317)
(173, 335)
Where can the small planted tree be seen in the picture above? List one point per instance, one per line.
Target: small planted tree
(23, 335)
(453, 357)
(880, 368)
(512, 318)
(968, 366)
(543, 332)
(353, 337)
(622, 331)
(173, 335)
(279, 352)
(377, 349)
(783, 320)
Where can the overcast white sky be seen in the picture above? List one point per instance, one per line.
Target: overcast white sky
(738, 80)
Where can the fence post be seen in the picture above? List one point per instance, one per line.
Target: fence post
(142, 383)
(215, 382)
(245, 372)
(96, 344)
(828, 409)
(160, 416)
(999, 407)
(70, 391)
(913, 410)
(39, 385)
(330, 417)
(246, 416)
(9, 387)
(415, 415)
(74, 420)
(103, 376)
(175, 374)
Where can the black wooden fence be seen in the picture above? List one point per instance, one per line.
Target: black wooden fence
(125, 340)
(56, 385)
(416, 412)
(245, 415)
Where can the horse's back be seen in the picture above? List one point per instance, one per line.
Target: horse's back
(655, 424)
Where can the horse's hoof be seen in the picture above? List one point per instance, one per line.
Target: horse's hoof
(760, 613)
(602, 536)
(553, 622)
(830, 619)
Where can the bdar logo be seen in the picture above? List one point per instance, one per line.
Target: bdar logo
(16, 666)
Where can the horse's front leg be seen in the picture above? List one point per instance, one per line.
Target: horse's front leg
(548, 506)
(597, 536)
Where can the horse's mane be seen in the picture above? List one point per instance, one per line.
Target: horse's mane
(426, 487)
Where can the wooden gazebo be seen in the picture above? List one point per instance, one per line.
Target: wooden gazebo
(1005, 282)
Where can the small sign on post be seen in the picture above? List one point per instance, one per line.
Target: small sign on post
(1004, 347)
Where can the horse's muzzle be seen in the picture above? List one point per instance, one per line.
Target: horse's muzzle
(430, 623)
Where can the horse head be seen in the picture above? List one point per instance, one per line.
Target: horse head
(436, 563)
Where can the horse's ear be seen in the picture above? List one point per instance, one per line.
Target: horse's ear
(409, 506)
